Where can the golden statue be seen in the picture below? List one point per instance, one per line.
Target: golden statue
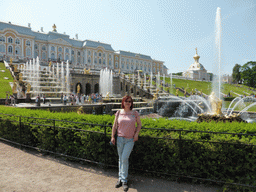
(119, 71)
(86, 71)
(15, 68)
(14, 87)
(28, 88)
(54, 28)
(156, 94)
(177, 92)
(20, 76)
(50, 64)
(216, 104)
(107, 96)
(11, 60)
(78, 88)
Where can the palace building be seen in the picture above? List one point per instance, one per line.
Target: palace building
(196, 71)
(22, 44)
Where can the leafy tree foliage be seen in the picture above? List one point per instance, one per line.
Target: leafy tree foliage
(237, 73)
(248, 74)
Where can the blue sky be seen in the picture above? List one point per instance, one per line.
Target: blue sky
(167, 30)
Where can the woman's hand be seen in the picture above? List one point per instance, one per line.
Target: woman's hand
(113, 140)
(135, 138)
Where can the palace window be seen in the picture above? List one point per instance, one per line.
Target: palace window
(36, 54)
(100, 54)
(17, 41)
(28, 43)
(66, 58)
(2, 48)
(132, 67)
(95, 60)
(127, 66)
(67, 51)
(60, 49)
(109, 63)
(95, 54)
(78, 60)
(52, 56)
(28, 52)
(122, 59)
(10, 49)
(99, 61)
(103, 54)
(10, 40)
(2, 39)
(89, 60)
(109, 56)
(52, 48)
(116, 65)
(116, 58)
(122, 65)
(44, 48)
(17, 50)
(104, 61)
(44, 55)
(36, 46)
(60, 56)
(72, 52)
(127, 60)
(89, 52)
(73, 59)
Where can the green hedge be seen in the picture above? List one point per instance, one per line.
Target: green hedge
(231, 163)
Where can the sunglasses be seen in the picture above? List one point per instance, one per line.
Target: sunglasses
(128, 101)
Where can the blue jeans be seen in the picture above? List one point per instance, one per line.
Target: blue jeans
(124, 149)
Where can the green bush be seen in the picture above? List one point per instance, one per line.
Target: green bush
(197, 154)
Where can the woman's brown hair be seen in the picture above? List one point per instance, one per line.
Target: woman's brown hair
(125, 98)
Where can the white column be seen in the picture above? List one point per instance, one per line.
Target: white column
(22, 48)
(49, 51)
(33, 48)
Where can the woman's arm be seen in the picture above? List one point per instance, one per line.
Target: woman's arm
(114, 131)
(136, 136)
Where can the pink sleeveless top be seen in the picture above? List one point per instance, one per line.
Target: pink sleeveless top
(126, 124)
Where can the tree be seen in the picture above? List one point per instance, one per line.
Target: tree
(248, 74)
(236, 74)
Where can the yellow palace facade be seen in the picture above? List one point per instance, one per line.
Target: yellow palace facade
(22, 44)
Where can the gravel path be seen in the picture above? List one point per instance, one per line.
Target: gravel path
(29, 171)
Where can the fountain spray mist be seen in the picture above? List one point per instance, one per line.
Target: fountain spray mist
(216, 84)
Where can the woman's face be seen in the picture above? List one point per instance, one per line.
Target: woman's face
(127, 103)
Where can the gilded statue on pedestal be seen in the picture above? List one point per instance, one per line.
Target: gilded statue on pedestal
(216, 104)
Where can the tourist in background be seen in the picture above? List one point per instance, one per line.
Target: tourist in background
(127, 134)
(65, 99)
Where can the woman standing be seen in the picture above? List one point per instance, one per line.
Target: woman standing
(127, 134)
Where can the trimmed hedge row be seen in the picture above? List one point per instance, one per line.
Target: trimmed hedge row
(217, 161)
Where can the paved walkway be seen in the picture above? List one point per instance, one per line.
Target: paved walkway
(29, 171)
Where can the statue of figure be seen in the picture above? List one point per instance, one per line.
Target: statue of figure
(177, 92)
(20, 76)
(107, 96)
(15, 68)
(14, 87)
(11, 60)
(54, 28)
(50, 64)
(78, 88)
(216, 104)
(156, 94)
(28, 88)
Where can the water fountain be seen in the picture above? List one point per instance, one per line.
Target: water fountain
(198, 108)
(45, 82)
(106, 82)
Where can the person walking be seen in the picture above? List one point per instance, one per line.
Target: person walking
(127, 134)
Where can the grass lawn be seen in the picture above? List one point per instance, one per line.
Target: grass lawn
(5, 86)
